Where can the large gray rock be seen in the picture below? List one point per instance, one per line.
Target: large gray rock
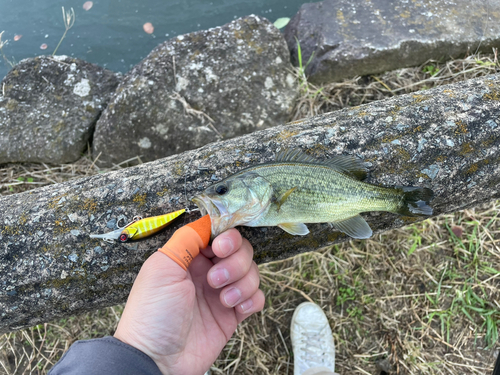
(237, 75)
(350, 38)
(447, 138)
(49, 106)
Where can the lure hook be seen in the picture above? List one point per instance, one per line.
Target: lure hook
(111, 237)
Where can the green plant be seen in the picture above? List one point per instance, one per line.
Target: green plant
(476, 306)
(345, 294)
(431, 69)
(416, 240)
(308, 92)
(355, 312)
(302, 67)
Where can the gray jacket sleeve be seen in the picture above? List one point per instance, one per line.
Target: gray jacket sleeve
(106, 355)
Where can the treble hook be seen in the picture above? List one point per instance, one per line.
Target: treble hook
(111, 237)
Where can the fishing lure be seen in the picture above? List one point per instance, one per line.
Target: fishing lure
(139, 227)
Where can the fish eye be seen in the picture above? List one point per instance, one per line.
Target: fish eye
(221, 189)
(123, 237)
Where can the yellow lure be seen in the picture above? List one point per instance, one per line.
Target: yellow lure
(139, 228)
(147, 226)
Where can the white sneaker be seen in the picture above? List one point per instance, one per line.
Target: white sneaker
(312, 339)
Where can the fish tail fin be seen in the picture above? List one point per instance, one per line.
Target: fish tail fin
(415, 201)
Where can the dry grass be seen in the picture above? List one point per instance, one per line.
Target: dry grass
(402, 296)
(18, 177)
(419, 300)
(315, 100)
(37, 349)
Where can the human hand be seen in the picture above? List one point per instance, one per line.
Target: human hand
(183, 320)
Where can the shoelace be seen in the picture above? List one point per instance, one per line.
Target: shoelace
(314, 347)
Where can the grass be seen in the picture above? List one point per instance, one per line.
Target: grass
(69, 20)
(3, 43)
(315, 99)
(424, 299)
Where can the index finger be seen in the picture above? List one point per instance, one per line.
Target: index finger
(227, 243)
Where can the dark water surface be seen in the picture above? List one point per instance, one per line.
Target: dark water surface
(111, 33)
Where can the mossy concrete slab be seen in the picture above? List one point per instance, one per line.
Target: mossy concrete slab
(49, 106)
(199, 88)
(354, 38)
(447, 139)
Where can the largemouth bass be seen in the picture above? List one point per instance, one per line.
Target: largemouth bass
(297, 189)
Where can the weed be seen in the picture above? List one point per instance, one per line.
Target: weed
(314, 100)
(415, 239)
(302, 67)
(431, 69)
(477, 307)
(3, 44)
(69, 21)
(345, 294)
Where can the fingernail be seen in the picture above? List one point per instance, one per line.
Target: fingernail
(232, 296)
(225, 246)
(247, 305)
(219, 277)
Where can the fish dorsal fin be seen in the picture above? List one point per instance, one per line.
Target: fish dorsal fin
(355, 227)
(348, 165)
(297, 229)
(297, 155)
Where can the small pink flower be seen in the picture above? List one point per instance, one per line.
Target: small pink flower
(17, 37)
(43, 46)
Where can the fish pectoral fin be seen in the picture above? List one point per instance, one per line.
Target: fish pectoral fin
(284, 197)
(355, 227)
(297, 229)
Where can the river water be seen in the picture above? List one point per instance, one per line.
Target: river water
(111, 32)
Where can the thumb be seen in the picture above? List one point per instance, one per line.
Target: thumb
(163, 270)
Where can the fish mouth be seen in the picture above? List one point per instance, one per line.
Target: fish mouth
(207, 206)
(215, 210)
(220, 218)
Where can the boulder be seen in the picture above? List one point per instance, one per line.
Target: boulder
(49, 106)
(447, 139)
(199, 88)
(350, 38)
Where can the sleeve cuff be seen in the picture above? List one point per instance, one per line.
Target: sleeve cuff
(106, 355)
